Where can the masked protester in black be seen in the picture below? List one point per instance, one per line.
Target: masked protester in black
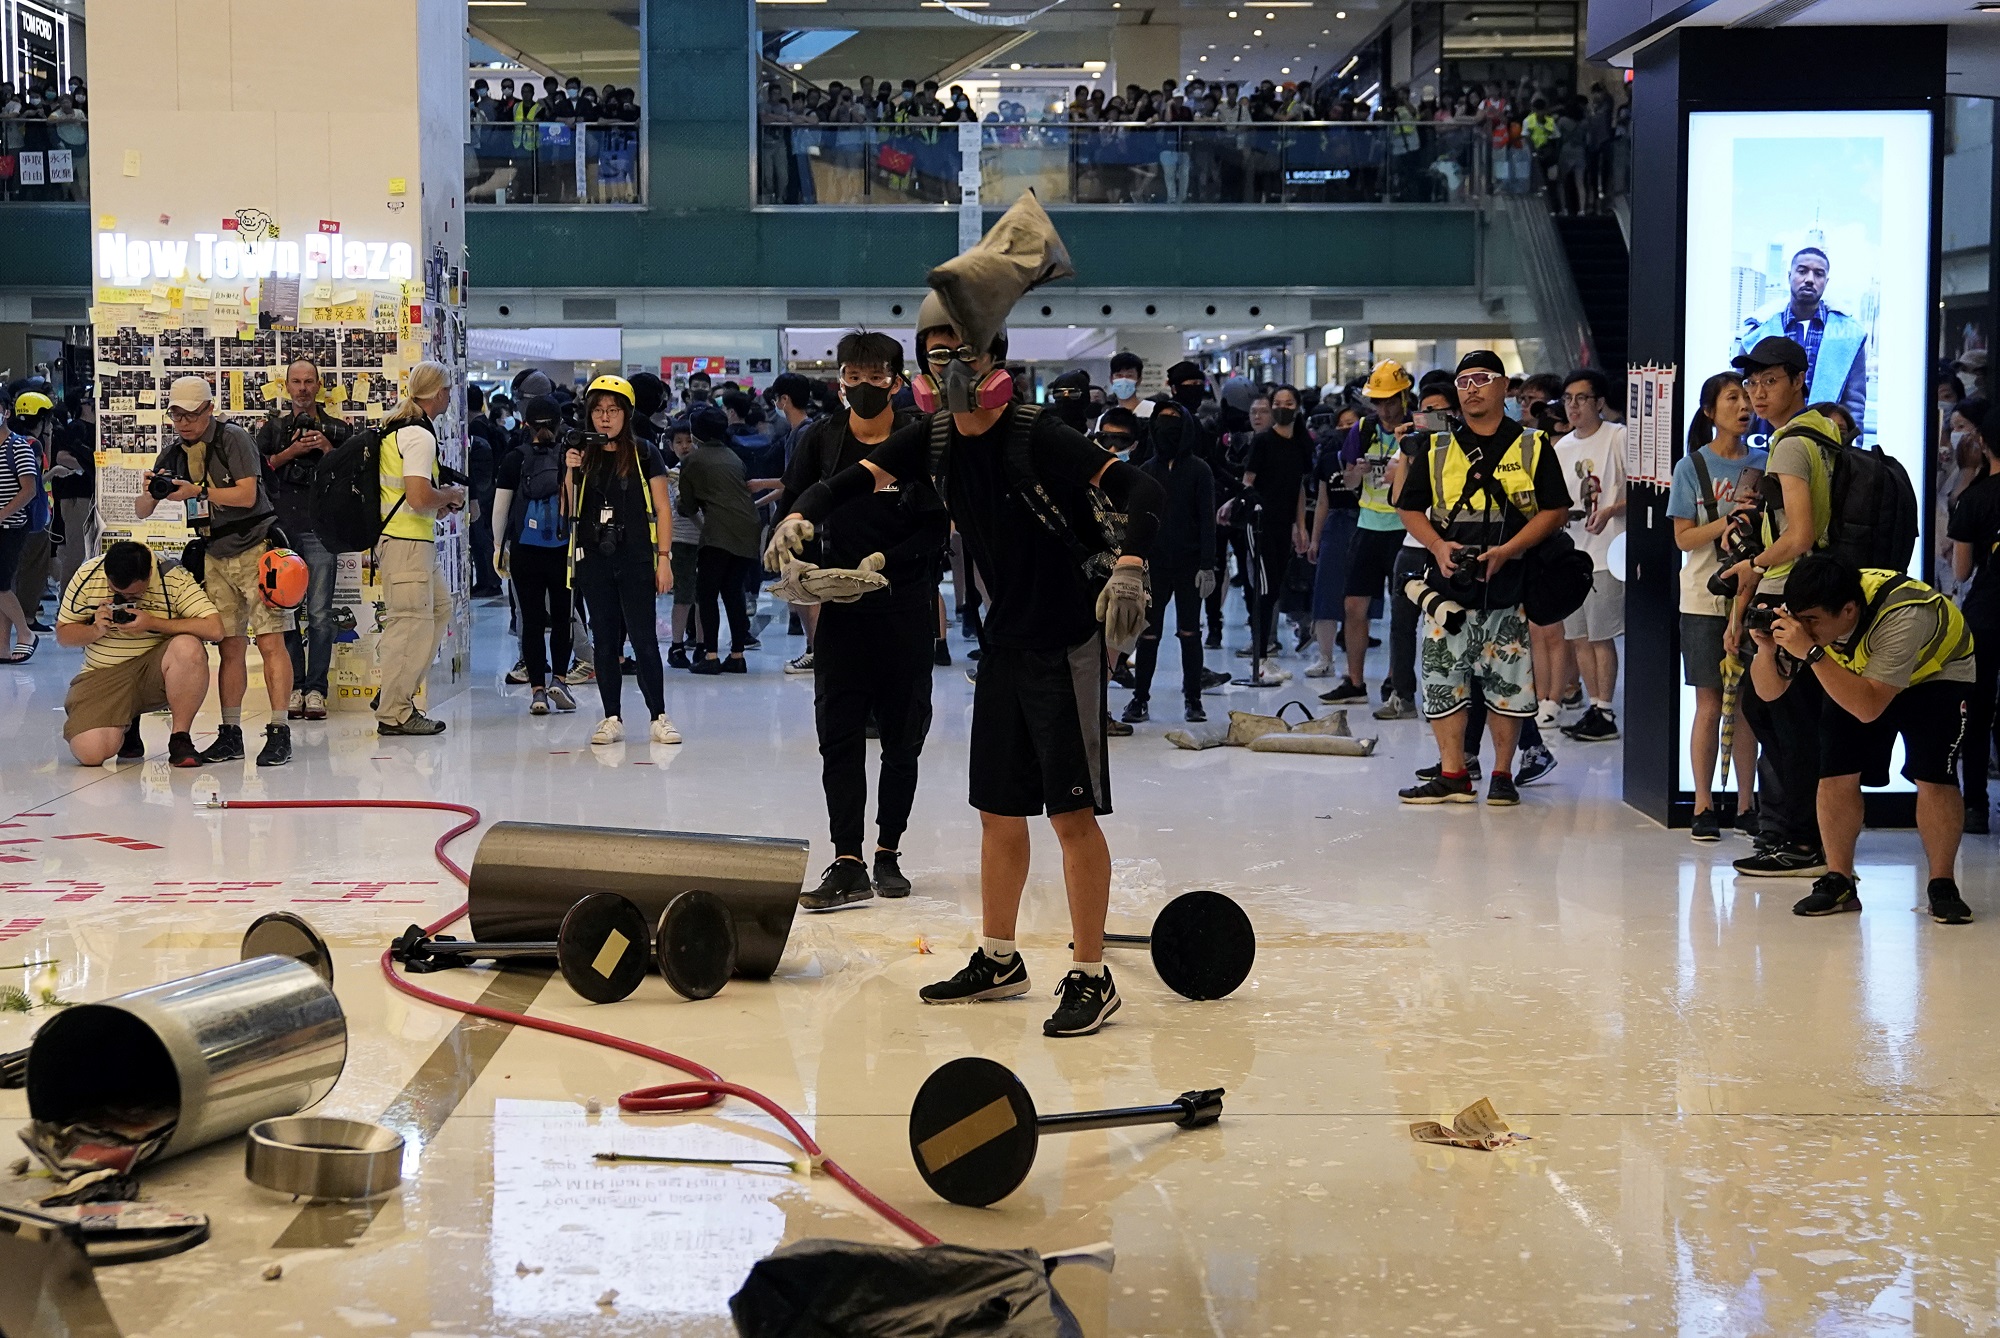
(1183, 559)
(1069, 399)
(872, 657)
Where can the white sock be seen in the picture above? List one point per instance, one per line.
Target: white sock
(1088, 968)
(1602, 706)
(1550, 705)
(999, 949)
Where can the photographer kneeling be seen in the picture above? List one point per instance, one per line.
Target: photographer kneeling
(1894, 658)
(141, 626)
(1480, 498)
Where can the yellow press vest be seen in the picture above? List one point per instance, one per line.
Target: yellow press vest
(1886, 590)
(1381, 453)
(1451, 475)
(403, 523)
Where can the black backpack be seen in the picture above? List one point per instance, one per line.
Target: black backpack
(1873, 516)
(346, 506)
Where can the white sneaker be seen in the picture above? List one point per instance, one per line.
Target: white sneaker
(1547, 713)
(295, 707)
(1320, 669)
(802, 665)
(664, 731)
(609, 730)
(315, 706)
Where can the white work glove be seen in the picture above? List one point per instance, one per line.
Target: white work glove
(788, 540)
(1121, 606)
(1204, 583)
(804, 583)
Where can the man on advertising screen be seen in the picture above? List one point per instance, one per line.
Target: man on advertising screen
(1836, 344)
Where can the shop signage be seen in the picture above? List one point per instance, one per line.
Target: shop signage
(122, 259)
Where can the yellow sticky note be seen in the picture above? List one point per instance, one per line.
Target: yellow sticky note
(131, 162)
(247, 333)
(236, 388)
(322, 291)
(149, 417)
(397, 185)
(377, 410)
(107, 221)
(148, 398)
(176, 297)
(198, 293)
(272, 390)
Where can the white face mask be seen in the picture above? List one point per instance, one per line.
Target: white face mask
(1124, 388)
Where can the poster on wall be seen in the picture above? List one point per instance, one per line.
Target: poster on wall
(1816, 226)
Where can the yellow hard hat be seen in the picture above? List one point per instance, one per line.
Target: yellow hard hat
(617, 385)
(31, 402)
(1387, 381)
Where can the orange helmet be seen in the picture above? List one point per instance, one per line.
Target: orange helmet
(282, 578)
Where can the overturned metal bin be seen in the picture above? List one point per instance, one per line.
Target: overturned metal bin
(221, 1050)
(525, 875)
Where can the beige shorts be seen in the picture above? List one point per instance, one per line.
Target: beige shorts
(110, 697)
(231, 583)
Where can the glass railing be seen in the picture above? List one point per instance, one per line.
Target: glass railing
(552, 162)
(43, 161)
(1331, 162)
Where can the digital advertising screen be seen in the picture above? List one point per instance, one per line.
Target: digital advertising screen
(1815, 226)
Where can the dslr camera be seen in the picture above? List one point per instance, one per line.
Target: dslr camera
(1466, 583)
(577, 439)
(161, 486)
(1761, 617)
(122, 608)
(1742, 540)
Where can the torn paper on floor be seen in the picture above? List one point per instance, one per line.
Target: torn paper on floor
(1477, 1126)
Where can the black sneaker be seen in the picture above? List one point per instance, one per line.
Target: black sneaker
(1195, 714)
(1212, 678)
(181, 751)
(1122, 675)
(735, 664)
(1135, 712)
(1214, 641)
(1500, 791)
(794, 627)
(519, 673)
(418, 725)
(228, 746)
(1535, 762)
(627, 666)
(1705, 827)
(844, 882)
(1977, 819)
(1572, 699)
(941, 653)
(1595, 726)
(1086, 1002)
(277, 749)
(677, 656)
(705, 665)
(1346, 690)
(1832, 894)
(983, 978)
(1439, 790)
(1117, 729)
(1947, 907)
(134, 746)
(1388, 684)
(1785, 861)
(889, 880)
(1436, 770)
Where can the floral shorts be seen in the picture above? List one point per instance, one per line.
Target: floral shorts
(1490, 650)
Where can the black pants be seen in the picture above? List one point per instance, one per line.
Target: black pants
(541, 594)
(871, 661)
(1224, 540)
(1972, 758)
(618, 592)
(1173, 585)
(1274, 555)
(719, 576)
(1404, 623)
(1788, 772)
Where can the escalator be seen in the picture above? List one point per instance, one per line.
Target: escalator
(1601, 268)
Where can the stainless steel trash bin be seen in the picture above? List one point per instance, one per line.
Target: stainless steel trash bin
(222, 1050)
(526, 874)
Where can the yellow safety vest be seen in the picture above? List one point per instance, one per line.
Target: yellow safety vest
(1451, 475)
(1375, 478)
(403, 523)
(1886, 590)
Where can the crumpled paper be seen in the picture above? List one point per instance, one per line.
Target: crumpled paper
(1477, 1126)
(111, 1140)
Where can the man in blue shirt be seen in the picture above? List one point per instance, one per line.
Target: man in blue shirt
(1836, 344)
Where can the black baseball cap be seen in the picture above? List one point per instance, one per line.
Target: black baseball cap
(1185, 371)
(541, 409)
(1482, 360)
(1776, 351)
(708, 423)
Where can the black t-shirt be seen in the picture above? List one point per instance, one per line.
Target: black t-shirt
(906, 524)
(1280, 465)
(1040, 599)
(80, 442)
(625, 497)
(1975, 520)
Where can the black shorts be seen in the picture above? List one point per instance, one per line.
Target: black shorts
(1371, 561)
(1929, 718)
(1038, 731)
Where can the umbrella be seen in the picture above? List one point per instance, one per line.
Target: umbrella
(1732, 688)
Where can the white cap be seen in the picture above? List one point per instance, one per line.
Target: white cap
(189, 392)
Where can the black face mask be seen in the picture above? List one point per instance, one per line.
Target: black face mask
(1188, 396)
(867, 400)
(697, 396)
(1072, 409)
(1169, 435)
(1284, 417)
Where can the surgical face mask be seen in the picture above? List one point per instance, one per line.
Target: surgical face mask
(1284, 417)
(511, 421)
(1124, 388)
(867, 400)
(1513, 407)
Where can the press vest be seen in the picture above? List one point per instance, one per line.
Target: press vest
(1375, 480)
(1451, 476)
(404, 523)
(1886, 590)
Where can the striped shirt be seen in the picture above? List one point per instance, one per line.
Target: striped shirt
(171, 593)
(18, 457)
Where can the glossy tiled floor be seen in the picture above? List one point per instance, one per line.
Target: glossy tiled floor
(1742, 1122)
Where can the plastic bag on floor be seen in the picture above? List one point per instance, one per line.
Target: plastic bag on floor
(843, 1289)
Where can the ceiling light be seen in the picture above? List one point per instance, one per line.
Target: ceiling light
(1311, 45)
(1204, 57)
(1270, 16)
(1098, 74)
(1015, 66)
(1211, 46)
(1232, 13)
(1285, 69)
(1340, 13)
(1352, 61)
(1093, 65)
(1270, 327)
(1437, 69)
(1256, 32)
(797, 68)
(1236, 58)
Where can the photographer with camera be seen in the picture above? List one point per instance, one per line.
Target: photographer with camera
(1487, 494)
(416, 600)
(531, 541)
(1891, 658)
(293, 443)
(214, 474)
(1713, 508)
(141, 625)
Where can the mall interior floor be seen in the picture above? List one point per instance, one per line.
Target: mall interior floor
(1741, 1121)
